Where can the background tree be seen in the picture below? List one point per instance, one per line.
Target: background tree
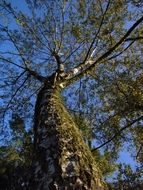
(15, 156)
(127, 178)
(78, 48)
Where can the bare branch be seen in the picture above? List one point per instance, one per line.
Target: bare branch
(31, 72)
(118, 133)
(9, 61)
(82, 68)
(8, 52)
(114, 56)
(134, 38)
(57, 58)
(17, 48)
(36, 75)
(139, 152)
(11, 11)
(119, 42)
(14, 96)
(62, 28)
(74, 50)
(92, 43)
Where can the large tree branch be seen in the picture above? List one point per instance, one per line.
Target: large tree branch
(87, 66)
(134, 38)
(62, 27)
(31, 72)
(11, 62)
(118, 54)
(94, 39)
(118, 133)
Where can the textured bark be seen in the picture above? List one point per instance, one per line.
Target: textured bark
(62, 161)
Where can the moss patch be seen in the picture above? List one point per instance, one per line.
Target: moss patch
(73, 148)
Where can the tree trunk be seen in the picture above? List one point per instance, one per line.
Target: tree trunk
(62, 161)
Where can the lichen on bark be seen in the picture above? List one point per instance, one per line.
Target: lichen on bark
(62, 160)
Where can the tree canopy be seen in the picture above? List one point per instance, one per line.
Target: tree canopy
(98, 45)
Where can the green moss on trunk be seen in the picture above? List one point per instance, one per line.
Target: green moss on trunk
(62, 159)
